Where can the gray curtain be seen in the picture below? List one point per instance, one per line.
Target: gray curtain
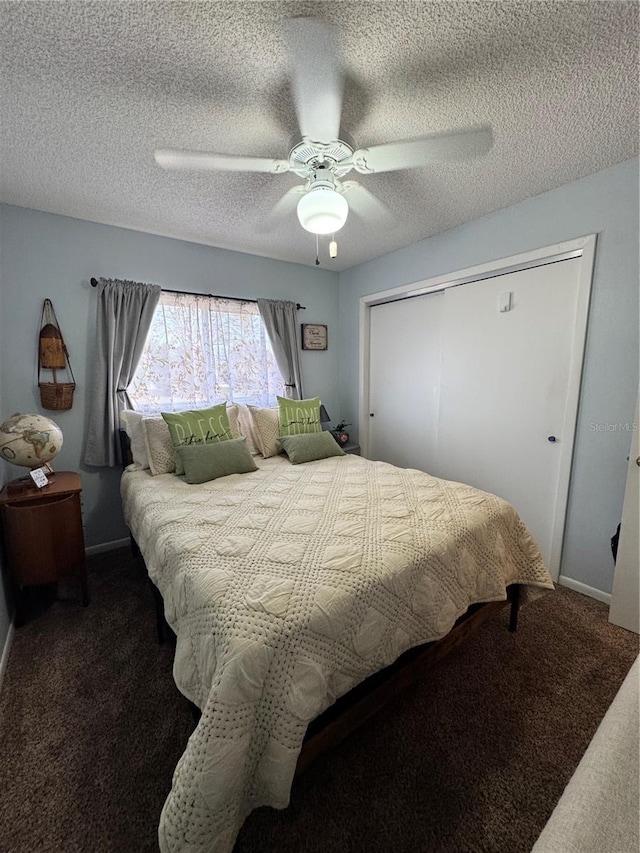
(125, 311)
(281, 321)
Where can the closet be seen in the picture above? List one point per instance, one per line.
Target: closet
(479, 381)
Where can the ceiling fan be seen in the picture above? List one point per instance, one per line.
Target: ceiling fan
(323, 154)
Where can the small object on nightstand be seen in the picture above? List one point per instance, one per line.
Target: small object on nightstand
(43, 535)
(340, 434)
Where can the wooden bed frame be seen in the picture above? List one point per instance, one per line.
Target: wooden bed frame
(353, 709)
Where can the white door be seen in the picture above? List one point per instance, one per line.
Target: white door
(505, 376)
(625, 596)
(502, 419)
(404, 380)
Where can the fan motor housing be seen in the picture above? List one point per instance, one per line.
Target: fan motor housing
(306, 156)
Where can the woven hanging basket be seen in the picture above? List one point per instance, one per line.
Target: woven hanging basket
(57, 396)
(53, 355)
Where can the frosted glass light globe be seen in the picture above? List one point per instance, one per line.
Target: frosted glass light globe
(322, 211)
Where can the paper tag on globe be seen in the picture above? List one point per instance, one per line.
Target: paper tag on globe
(39, 477)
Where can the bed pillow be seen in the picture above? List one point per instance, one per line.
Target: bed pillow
(297, 417)
(159, 446)
(310, 446)
(200, 426)
(132, 424)
(266, 428)
(204, 462)
(245, 427)
(234, 420)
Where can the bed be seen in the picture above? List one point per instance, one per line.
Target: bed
(287, 587)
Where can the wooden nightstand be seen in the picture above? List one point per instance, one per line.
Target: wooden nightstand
(43, 535)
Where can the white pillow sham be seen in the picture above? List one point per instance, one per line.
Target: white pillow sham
(159, 445)
(245, 427)
(131, 422)
(267, 430)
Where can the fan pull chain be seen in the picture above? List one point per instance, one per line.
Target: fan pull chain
(317, 252)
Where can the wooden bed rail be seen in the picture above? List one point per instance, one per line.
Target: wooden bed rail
(353, 709)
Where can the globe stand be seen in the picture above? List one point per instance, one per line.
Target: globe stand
(26, 484)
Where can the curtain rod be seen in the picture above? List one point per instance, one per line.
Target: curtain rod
(94, 283)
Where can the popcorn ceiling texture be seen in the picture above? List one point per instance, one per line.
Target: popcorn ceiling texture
(89, 90)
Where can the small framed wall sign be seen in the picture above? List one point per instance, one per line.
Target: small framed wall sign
(314, 336)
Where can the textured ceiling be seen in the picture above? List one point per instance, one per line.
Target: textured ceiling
(89, 90)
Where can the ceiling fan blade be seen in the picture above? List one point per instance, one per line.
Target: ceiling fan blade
(316, 70)
(283, 208)
(202, 161)
(287, 203)
(366, 205)
(436, 148)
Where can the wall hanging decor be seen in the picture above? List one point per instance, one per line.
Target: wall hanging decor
(53, 356)
(314, 336)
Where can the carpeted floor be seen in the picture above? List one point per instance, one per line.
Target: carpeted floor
(473, 759)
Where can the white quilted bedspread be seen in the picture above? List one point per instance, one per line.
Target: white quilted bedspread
(288, 586)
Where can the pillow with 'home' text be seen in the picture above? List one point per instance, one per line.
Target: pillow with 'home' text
(296, 417)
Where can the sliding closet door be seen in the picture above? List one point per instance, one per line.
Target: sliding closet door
(504, 418)
(404, 381)
(479, 383)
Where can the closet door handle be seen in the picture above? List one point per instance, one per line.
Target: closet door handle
(638, 461)
(552, 438)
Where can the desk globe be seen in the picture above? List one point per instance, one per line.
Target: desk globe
(29, 440)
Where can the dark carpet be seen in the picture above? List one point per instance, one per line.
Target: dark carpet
(472, 759)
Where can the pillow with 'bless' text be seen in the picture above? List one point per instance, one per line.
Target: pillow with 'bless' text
(202, 426)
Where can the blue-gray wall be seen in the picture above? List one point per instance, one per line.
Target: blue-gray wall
(44, 255)
(607, 204)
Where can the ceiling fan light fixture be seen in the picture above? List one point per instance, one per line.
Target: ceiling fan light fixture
(322, 210)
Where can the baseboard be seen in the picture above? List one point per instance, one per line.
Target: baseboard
(5, 653)
(106, 546)
(591, 591)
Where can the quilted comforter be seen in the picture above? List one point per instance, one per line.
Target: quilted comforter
(288, 586)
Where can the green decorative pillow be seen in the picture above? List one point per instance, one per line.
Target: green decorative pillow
(309, 447)
(202, 426)
(204, 462)
(297, 417)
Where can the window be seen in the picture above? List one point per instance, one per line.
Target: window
(203, 350)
